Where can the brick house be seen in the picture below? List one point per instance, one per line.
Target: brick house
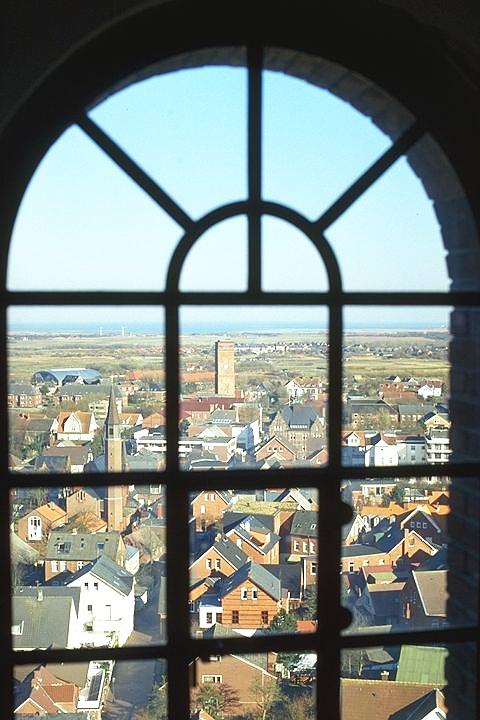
(426, 599)
(36, 525)
(250, 598)
(23, 395)
(81, 500)
(257, 541)
(42, 693)
(223, 558)
(208, 507)
(356, 556)
(301, 427)
(241, 672)
(277, 445)
(423, 522)
(70, 551)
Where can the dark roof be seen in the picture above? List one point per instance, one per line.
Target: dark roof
(290, 576)
(439, 561)
(110, 573)
(82, 546)
(53, 464)
(78, 454)
(231, 552)
(112, 414)
(359, 549)
(258, 575)
(232, 519)
(299, 416)
(386, 599)
(50, 591)
(304, 523)
(41, 623)
(22, 389)
(73, 389)
(432, 589)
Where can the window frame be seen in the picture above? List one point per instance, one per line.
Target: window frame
(327, 638)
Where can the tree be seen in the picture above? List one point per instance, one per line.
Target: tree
(308, 608)
(398, 494)
(97, 445)
(217, 699)
(283, 622)
(157, 707)
(266, 693)
(301, 707)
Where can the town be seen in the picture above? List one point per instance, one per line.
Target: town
(88, 564)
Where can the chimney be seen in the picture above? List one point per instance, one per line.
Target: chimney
(39, 594)
(384, 675)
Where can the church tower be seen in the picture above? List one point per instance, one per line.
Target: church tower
(225, 368)
(115, 499)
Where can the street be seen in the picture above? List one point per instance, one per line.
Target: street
(133, 679)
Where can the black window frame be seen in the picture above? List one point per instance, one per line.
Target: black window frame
(181, 649)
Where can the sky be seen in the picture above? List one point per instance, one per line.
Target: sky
(84, 225)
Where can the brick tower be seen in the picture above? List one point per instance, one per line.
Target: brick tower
(225, 368)
(114, 462)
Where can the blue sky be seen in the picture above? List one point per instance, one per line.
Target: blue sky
(84, 225)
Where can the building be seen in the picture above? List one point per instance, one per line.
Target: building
(225, 368)
(114, 447)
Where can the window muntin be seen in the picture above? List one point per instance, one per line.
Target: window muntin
(335, 330)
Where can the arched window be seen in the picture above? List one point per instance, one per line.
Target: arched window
(261, 216)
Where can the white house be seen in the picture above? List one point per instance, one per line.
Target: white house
(432, 388)
(381, 454)
(78, 425)
(107, 602)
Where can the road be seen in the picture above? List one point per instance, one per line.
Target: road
(134, 678)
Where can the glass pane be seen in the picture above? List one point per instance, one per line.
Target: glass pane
(397, 383)
(314, 144)
(407, 681)
(218, 260)
(395, 212)
(88, 566)
(253, 387)
(187, 130)
(84, 225)
(256, 685)
(254, 561)
(290, 261)
(86, 386)
(86, 687)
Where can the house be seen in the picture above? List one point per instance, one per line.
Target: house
(382, 602)
(426, 599)
(277, 445)
(303, 533)
(422, 664)
(79, 426)
(431, 388)
(358, 555)
(44, 617)
(381, 451)
(82, 500)
(438, 446)
(208, 507)
(392, 700)
(241, 672)
(223, 558)
(41, 693)
(250, 597)
(107, 602)
(412, 450)
(307, 388)
(78, 456)
(23, 395)
(367, 412)
(37, 524)
(422, 520)
(410, 414)
(258, 542)
(301, 426)
(70, 551)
